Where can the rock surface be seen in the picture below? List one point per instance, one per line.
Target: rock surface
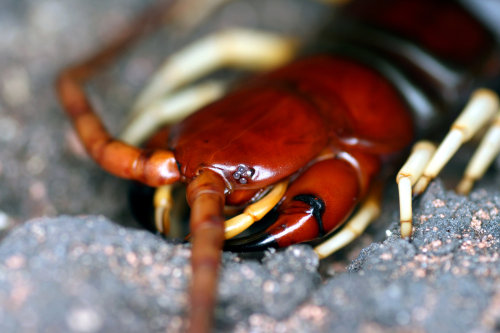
(87, 274)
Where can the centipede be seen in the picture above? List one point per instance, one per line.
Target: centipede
(302, 144)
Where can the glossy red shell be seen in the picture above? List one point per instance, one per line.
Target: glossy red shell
(268, 129)
(278, 123)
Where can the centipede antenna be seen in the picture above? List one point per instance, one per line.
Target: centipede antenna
(478, 111)
(255, 211)
(205, 195)
(408, 175)
(150, 20)
(488, 149)
(153, 168)
(369, 211)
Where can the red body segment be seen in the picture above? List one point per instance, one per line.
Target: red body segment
(259, 127)
(278, 124)
(333, 181)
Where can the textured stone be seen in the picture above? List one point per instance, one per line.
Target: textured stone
(86, 274)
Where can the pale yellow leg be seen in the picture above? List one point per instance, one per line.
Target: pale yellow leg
(369, 211)
(488, 149)
(480, 109)
(255, 211)
(408, 175)
(234, 47)
(163, 203)
(171, 110)
(158, 105)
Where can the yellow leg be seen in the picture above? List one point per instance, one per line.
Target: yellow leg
(369, 211)
(158, 105)
(488, 149)
(407, 177)
(238, 48)
(255, 211)
(480, 109)
(418, 171)
(163, 204)
(171, 110)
